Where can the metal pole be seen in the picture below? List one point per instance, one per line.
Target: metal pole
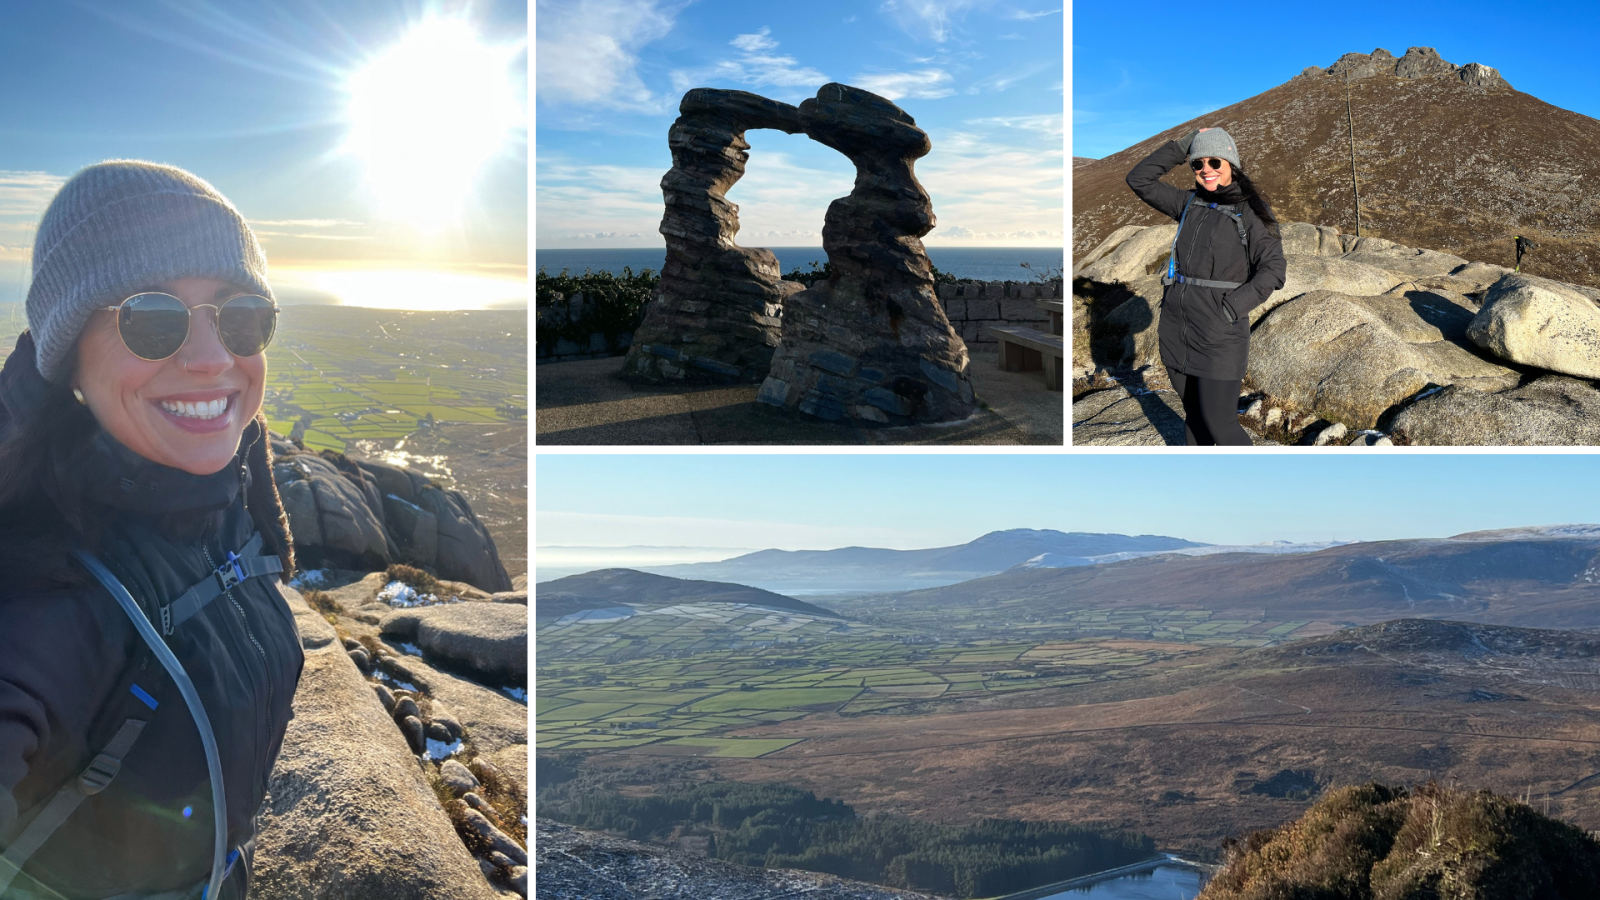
(1355, 187)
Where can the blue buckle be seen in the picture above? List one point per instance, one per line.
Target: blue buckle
(231, 572)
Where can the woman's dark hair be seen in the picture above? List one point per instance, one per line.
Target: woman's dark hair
(1257, 200)
(44, 439)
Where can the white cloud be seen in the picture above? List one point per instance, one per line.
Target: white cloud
(304, 223)
(588, 50)
(1000, 81)
(926, 84)
(932, 19)
(755, 43)
(986, 192)
(1044, 124)
(1028, 16)
(755, 67)
(27, 194)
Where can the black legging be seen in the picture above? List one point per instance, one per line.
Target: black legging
(1210, 411)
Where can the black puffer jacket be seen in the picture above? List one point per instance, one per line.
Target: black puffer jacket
(1205, 331)
(68, 654)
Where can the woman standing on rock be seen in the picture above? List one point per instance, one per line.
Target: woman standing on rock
(147, 658)
(1226, 259)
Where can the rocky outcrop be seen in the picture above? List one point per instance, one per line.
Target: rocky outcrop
(572, 863)
(717, 314)
(1350, 359)
(1419, 62)
(349, 814)
(871, 344)
(356, 514)
(1409, 345)
(1549, 411)
(1540, 323)
(490, 640)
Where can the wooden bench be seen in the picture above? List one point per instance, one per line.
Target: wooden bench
(1024, 349)
(1057, 311)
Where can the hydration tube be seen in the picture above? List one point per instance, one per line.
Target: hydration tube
(191, 697)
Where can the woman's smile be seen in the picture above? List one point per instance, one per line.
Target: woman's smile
(199, 412)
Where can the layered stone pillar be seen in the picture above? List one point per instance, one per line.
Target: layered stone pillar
(872, 343)
(716, 315)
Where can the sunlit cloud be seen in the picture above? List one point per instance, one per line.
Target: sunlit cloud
(756, 66)
(931, 19)
(588, 51)
(926, 84)
(27, 193)
(1044, 124)
(305, 223)
(1025, 15)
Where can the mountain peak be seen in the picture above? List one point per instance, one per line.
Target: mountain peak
(1419, 62)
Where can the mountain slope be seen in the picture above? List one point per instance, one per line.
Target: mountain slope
(1442, 163)
(1527, 579)
(877, 569)
(615, 587)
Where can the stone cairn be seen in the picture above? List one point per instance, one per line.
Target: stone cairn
(872, 343)
(716, 315)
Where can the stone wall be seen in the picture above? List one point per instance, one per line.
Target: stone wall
(574, 309)
(973, 307)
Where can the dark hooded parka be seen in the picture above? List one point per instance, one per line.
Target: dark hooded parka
(1205, 331)
(69, 657)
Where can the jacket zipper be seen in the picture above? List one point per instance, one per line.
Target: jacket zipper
(265, 668)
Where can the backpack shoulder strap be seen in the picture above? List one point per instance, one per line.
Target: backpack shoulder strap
(247, 563)
(191, 697)
(91, 781)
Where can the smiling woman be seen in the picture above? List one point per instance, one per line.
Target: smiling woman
(426, 115)
(135, 472)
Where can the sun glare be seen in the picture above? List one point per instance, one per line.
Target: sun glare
(426, 115)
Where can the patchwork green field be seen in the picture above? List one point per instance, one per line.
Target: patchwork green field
(654, 630)
(346, 374)
(686, 704)
(1197, 626)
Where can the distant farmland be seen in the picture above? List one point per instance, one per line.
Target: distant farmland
(345, 374)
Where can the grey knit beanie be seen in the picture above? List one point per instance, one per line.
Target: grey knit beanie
(124, 226)
(1215, 143)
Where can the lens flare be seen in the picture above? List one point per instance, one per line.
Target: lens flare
(426, 115)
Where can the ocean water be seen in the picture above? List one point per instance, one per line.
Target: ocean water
(981, 263)
(1162, 883)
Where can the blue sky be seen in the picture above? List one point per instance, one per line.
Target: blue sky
(1134, 78)
(982, 77)
(742, 502)
(259, 99)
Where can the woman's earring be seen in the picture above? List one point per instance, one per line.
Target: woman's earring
(78, 395)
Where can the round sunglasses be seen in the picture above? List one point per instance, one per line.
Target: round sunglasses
(154, 325)
(1199, 164)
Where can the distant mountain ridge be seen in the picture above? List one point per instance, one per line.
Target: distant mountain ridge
(878, 569)
(607, 588)
(1547, 576)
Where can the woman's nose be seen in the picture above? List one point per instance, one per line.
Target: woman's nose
(203, 353)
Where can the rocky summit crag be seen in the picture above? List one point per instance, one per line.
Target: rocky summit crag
(871, 344)
(1447, 157)
(1367, 342)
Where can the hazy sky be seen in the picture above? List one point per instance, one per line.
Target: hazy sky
(338, 172)
(832, 500)
(982, 77)
(1127, 87)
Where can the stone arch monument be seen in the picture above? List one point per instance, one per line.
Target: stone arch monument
(870, 344)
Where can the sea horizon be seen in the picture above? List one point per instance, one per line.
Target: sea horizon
(978, 263)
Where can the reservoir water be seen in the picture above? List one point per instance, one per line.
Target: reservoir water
(980, 263)
(1161, 883)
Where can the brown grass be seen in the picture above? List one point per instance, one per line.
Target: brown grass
(420, 581)
(322, 603)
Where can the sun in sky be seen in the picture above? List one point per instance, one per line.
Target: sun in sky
(425, 116)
